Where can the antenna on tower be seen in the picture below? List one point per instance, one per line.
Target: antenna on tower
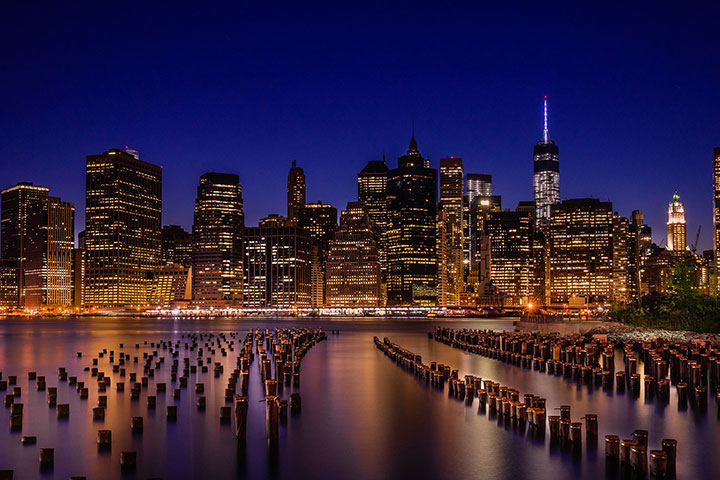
(545, 130)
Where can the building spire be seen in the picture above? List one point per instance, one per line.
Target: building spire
(546, 134)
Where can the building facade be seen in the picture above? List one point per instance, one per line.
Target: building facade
(16, 202)
(580, 236)
(295, 191)
(411, 233)
(48, 268)
(218, 224)
(372, 191)
(353, 267)
(676, 226)
(176, 246)
(277, 263)
(546, 175)
(123, 208)
(320, 221)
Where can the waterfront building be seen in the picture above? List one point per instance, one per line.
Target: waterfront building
(49, 253)
(623, 260)
(277, 263)
(218, 223)
(176, 246)
(581, 251)
(372, 191)
(295, 191)
(320, 220)
(450, 232)
(676, 227)
(78, 278)
(411, 233)
(9, 283)
(13, 227)
(513, 267)
(546, 174)
(353, 267)
(171, 286)
(123, 208)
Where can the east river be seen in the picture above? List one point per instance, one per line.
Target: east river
(363, 417)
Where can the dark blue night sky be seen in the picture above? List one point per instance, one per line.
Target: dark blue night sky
(247, 87)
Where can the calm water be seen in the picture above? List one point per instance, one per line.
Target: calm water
(362, 416)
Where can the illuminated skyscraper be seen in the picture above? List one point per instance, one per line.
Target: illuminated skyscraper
(48, 268)
(123, 208)
(411, 234)
(295, 191)
(372, 191)
(277, 265)
(716, 207)
(320, 220)
(580, 236)
(13, 230)
(450, 232)
(676, 227)
(218, 223)
(546, 177)
(176, 246)
(353, 267)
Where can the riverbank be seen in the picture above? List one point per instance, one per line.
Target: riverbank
(621, 332)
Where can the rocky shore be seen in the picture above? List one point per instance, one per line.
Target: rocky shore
(621, 332)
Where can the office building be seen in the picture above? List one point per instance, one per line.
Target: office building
(372, 191)
(49, 253)
(295, 191)
(411, 234)
(176, 246)
(320, 220)
(451, 239)
(546, 174)
(277, 262)
(218, 223)
(676, 227)
(13, 227)
(123, 208)
(353, 267)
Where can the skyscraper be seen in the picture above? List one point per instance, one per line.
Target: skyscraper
(411, 233)
(372, 191)
(580, 236)
(176, 245)
(123, 209)
(546, 177)
(450, 233)
(513, 268)
(320, 220)
(676, 227)
(218, 223)
(48, 268)
(295, 191)
(353, 267)
(13, 229)
(277, 265)
(716, 207)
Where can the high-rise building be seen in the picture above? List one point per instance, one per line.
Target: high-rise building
(295, 191)
(218, 224)
(49, 253)
(176, 246)
(716, 207)
(513, 262)
(623, 259)
(546, 177)
(171, 285)
(372, 191)
(277, 266)
(676, 227)
(580, 236)
(353, 267)
(320, 220)
(78, 278)
(123, 209)
(13, 227)
(450, 232)
(9, 283)
(411, 234)
(476, 185)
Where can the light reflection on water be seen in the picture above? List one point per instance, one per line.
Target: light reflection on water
(363, 416)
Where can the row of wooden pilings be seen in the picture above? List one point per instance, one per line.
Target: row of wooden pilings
(693, 368)
(287, 347)
(505, 402)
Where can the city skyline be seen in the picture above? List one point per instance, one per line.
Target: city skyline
(353, 100)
